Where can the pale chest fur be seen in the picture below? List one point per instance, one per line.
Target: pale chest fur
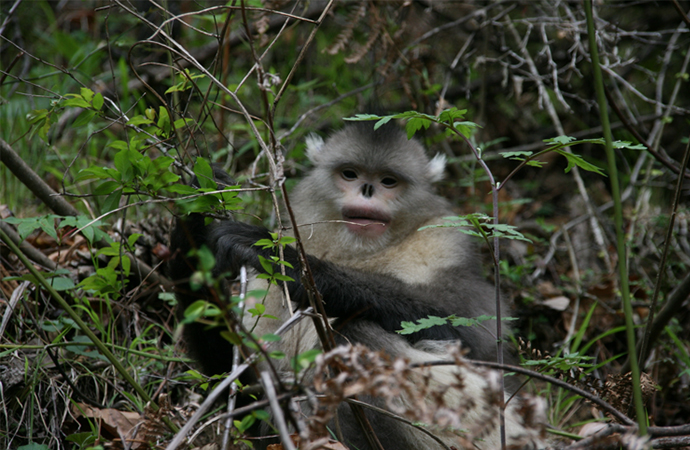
(415, 259)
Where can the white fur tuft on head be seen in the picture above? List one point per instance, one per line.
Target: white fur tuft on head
(436, 167)
(314, 146)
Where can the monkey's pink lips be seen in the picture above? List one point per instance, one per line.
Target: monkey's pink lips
(364, 222)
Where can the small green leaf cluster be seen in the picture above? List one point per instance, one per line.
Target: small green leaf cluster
(563, 364)
(415, 121)
(432, 321)
(42, 119)
(109, 281)
(269, 264)
(186, 79)
(59, 280)
(480, 225)
(558, 144)
(208, 197)
(133, 173)
(51, 223)
(158, 124)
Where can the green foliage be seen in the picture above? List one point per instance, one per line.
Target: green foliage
(305, 360)
(416, 121)
(110, 280)
(208, 197)
(558, 144)
(432, 321)
(480, 225)
(563, 363)
(33, 446)
(186, 81)
(51, 224)
(268, 264)
(59, 280)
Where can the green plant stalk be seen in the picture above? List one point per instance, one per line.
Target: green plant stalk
(618, 214)
(12, 347)
(84, 328)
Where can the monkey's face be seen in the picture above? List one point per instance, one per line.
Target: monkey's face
(367, 200)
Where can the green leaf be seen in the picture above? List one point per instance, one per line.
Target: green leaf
(245, 424)
(181, 189)
(363, 117)
(139, 120)
(126, 264)
(75, 101)
(163, 120)
(87, 349)
(61, 283)
(266, 264)
(577, 160)
(112, 201)
(93, 172)
(204, 173)
(119, 145)
(512, 155)
(465, 128)
(83, 118)
(35, 446)
(37, 115)
(97, 101)
(506, 232)
(181, 123)
(474, 321)
(198, 310)
(451, 115)
(87, 94)
(123, 163)
(270, 337)
(281, 277)
(25, 226)
(422, 324)
(304, 360)
(265, 243)
(107, 187)
(286, 240)
(133, 238)
(563, 140)
(89, 228)
(628, 145)
(415, 124)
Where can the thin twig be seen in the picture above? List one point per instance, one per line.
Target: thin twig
(278, 417)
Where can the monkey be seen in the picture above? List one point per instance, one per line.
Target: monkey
(359, 211)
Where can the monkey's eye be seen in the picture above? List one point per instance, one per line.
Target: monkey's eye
(389, 182)
(349, 174)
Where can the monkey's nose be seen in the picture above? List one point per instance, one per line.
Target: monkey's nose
(367, 190)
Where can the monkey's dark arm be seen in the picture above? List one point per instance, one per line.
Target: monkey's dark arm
(207, 346)
(351, 294)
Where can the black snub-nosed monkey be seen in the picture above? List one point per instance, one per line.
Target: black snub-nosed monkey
(360, 209)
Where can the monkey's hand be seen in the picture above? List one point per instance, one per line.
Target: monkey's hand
(234, 247)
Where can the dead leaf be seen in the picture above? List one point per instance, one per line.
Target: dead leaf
(116, 422)
(560, 303)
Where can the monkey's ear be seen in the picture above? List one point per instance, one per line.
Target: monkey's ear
(314, 146)
(436, 168)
